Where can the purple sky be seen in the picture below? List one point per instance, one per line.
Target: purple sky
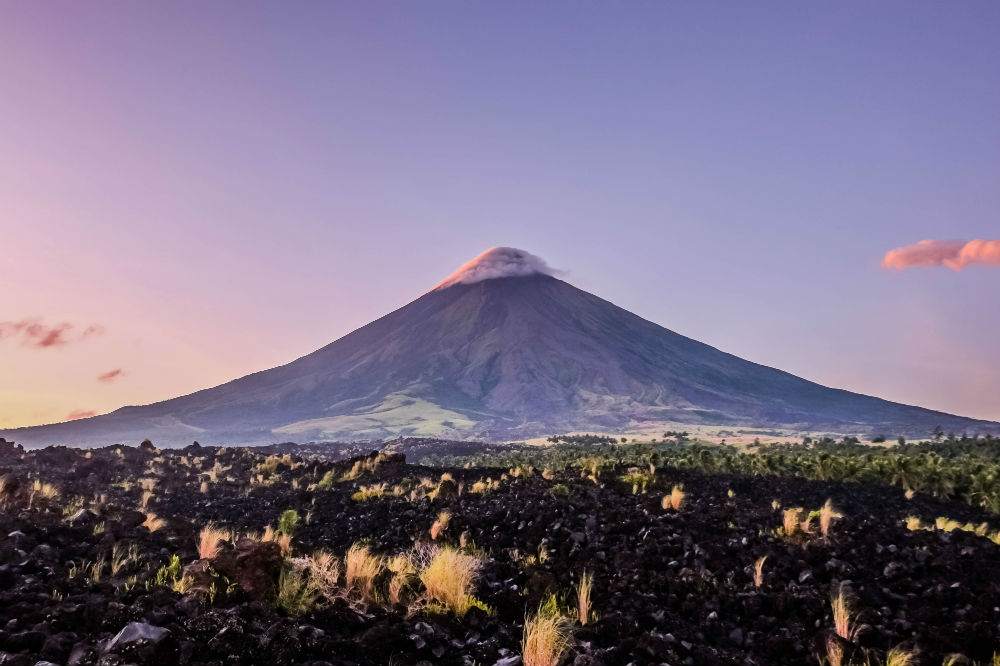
(221, 187)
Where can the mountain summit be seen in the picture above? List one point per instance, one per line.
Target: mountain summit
(497, 262)
(501, 349)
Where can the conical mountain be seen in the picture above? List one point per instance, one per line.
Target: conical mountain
(501, 349)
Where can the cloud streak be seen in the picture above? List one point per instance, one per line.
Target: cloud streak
(956, 255)
(80, 414)
(110, 375)
(34, 333)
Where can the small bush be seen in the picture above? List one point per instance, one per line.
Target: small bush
(297, 595)
(287, 522)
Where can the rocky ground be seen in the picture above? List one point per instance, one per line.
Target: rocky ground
(85, 580)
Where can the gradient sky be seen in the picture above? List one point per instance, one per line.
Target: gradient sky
(221, 187)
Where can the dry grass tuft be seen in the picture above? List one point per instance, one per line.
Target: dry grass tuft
(547, 635)
(44, 490)
(441, 524)
(361, 569)
(791, 520)
(583, 588)
(449, 579)
(758, 571)
(675, 499)
(209, 540)
(826, 515)
(366, 493)
(899, 657)
(152, 523)
(834, 652)
(843, 621)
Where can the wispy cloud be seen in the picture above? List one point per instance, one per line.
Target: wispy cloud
(34, 333)
(956, 255)
(110, 375)
(80, 414)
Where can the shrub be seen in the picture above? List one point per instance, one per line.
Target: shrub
(287, 522)
(449, 580)
(559, 491)
(297, 595)
(170, 573)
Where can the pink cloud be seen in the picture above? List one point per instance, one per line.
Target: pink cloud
(110, 375)
(34, 333)
(80, 414)
(956, 255)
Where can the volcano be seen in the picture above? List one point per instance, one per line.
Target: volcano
(502, 349)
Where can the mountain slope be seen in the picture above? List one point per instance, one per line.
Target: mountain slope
(497, 354)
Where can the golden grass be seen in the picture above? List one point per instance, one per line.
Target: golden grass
(324, 568)
(843, 621)
(899, 657)
(45, 490)
(122, 556)
(791, 519)
(834, 652)
(675, 499)
(758, 571)
(403, 570)
(152, 523)
(583, 589)
(144, 499)
(209, 540)
(361, 568)
(546, 637)
(826, 515)
(441, 524)
(366, 493)
(449, 579)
